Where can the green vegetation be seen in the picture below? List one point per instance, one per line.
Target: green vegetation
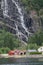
(8, 40)
(32, 53)
(32, 46)
(4, 50)
(36, 40)
(33, 5)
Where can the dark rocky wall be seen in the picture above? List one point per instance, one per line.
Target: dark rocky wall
(10, 22)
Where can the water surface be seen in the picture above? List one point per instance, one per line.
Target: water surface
(21, 61)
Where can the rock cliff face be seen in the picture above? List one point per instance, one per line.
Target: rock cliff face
(16, 19)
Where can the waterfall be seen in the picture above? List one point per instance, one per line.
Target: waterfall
(17, 31)
(21, 15)
(9, 7)
(4, 6)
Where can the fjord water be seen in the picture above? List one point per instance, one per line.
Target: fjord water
(22, 61)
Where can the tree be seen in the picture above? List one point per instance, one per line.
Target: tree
(39, 3)
(8, 40)
(32, 46)
(36, 38)
(33, 4)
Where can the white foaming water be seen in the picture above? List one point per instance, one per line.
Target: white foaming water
(4, 6)
(17, 31)
(21, 15)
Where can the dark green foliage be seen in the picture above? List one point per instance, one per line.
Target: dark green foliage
(4, 50)
(34, 53)
(33, 5)
(37, 38)
(25, 2)
(33, 2)
(32, 46)
(39, 3)
(8, 40)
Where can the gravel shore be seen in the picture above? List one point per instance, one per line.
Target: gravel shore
(20, 56)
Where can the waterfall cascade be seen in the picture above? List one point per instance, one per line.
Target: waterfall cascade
(4, 6)
(21, 15)
(9, 8)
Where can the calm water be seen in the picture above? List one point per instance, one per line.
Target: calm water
(22, 61)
